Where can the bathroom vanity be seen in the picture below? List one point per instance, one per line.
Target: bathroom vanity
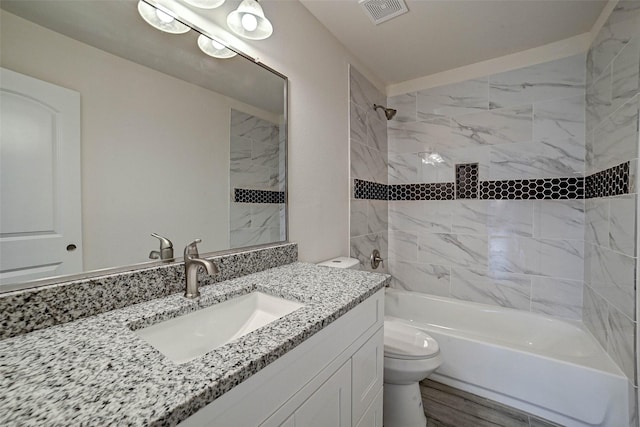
(319, 365)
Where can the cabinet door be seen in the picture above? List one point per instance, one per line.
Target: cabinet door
(289, 422)
(373, 415)
(367, 369)
(330, 405)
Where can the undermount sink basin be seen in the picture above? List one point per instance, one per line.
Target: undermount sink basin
(192, 335)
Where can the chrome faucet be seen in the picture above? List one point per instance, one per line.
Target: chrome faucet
(192, 263)
(166, 249)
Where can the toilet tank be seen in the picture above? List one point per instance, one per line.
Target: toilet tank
(342, 262)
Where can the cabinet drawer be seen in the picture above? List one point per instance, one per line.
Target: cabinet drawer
(367, 371)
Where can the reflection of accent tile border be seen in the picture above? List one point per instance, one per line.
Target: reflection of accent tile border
(609, 182)
(370, 190)
(467, 181)
(540, 189)
(244, 195)
(434, 191)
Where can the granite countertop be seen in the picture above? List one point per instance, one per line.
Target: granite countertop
(97, 371)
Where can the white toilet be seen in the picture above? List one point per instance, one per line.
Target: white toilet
(410, 355)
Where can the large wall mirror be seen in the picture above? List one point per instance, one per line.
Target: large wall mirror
(112, 130)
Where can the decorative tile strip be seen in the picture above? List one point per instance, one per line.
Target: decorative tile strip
(243, 195)
(467, 181)
(609, 182)
(435, 191)
(370, 190)
(545, 188)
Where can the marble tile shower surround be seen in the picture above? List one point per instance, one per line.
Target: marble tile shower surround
(535, 129)
(612, 116)
(575, 117)
(524, 124)
(368, 162)
(33, 309)
(256, 168)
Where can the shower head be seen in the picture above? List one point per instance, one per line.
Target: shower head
(388, 112)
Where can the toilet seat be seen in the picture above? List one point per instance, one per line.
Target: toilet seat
(405, 342)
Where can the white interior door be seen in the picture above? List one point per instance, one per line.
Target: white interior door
(40, 211)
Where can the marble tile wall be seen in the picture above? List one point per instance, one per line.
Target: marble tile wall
(257, 163)
(612, 116)
(368, 162)
(521, 124)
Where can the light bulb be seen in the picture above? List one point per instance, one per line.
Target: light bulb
(249, 22)
(160, 19)
(164, 17)
(214, 47)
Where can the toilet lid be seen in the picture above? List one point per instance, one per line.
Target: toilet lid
(402, 341)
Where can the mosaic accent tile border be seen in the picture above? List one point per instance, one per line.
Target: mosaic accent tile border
(467, 176)
(370, 190)
(539, 189)
(609, 182)
(435, 191)
(244, 195)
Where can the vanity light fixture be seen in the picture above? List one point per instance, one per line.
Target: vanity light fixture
(205, 4)
(213, 47)
(248, 21)
(160, 19)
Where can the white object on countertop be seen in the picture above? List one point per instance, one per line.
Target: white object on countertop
(342, 262)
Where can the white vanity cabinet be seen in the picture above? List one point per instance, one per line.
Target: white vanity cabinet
(332, 379)
(329, 405)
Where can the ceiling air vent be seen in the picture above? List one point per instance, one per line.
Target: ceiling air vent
(380, 11)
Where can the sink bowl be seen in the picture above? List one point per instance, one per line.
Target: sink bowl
(192, 335)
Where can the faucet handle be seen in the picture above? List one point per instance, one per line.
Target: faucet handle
(166, 248)
(164, 242)
(191, 250)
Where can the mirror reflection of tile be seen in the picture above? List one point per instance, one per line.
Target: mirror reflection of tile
(257, 180)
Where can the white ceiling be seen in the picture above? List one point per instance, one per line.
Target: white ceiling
(439, 35)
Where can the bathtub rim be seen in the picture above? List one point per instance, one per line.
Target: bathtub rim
(607, 364)
(538, 409)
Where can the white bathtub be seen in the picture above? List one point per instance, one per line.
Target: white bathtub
(547, 367)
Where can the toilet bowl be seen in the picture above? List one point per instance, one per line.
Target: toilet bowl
(410, 355)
